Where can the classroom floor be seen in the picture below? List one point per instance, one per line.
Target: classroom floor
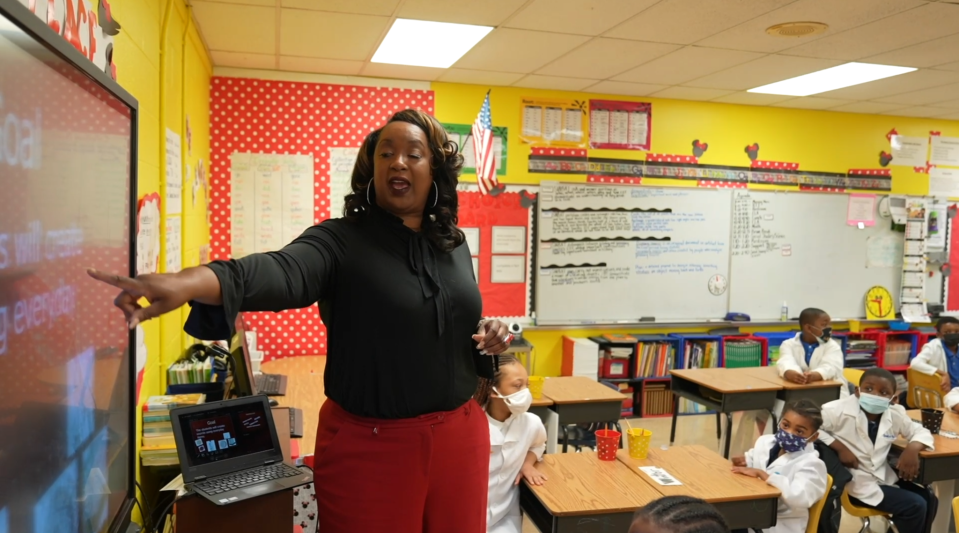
(701, 429)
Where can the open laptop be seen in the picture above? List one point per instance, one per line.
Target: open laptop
(229, 450)
(269, 384)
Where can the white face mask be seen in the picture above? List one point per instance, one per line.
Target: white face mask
(518, 402)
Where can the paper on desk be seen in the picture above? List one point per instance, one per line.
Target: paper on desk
(660, 476)
(176, 485)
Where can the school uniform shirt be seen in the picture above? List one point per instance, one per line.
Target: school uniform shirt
(870, 442)
(826, 359)
(936, 357)
(799, 476)
(951, 399)
(510, 441)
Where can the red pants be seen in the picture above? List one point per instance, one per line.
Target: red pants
(428, 474)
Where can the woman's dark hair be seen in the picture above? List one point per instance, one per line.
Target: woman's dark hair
(806, 409)
(946, 320)
(683, 514)
(446, 163)
(486, 385)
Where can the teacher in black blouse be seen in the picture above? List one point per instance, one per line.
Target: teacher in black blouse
(401, 445)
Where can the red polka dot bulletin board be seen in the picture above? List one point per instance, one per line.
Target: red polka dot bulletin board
(284, 117)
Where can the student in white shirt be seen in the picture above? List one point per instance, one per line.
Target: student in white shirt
(861, 429)
(517, 442)
(789, 462)
(940, 357)
(812, 355)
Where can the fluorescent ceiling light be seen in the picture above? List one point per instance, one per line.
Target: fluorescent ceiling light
(831, 79)
(422, 43)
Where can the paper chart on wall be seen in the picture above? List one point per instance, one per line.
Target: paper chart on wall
(909, 151)
(944, 151)
(341, 171)
(271, 200)
(174, 234)
(944, 182)
(173, 198)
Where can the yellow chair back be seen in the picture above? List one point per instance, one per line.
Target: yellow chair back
(924, 391)
(852, 375)
(955, 510)
(816, 510)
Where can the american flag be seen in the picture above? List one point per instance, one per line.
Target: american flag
(483, 149)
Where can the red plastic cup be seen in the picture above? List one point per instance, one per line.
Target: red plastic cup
(607, 444)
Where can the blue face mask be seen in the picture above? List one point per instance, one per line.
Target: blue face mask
(790, 443)
(873, 404)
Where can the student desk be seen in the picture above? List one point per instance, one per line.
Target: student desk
(745, 502)
(820, 391)
(940, 467)
(541, 408)
(722, 390)
(304, 390)
(584, 495)
(580, 400)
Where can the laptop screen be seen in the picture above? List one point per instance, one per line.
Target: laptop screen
(226, 432)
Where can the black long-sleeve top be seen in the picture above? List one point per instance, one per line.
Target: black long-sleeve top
(400, 314)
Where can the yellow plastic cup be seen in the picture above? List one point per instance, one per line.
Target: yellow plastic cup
(638, 439)
(536, 386)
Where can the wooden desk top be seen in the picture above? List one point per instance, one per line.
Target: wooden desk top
(304, 390)
(578, 389)
(771, 374)
(944, 446)
(703, 473)
(542, 402)
(726, 380)
(581, 484)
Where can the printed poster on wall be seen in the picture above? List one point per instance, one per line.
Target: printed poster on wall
(944, 151)
(174, 174)
(174, 244)
(620, 125)
(944, 182)
(148, 234)
(909, 151)
(342, 161)
(554, 122)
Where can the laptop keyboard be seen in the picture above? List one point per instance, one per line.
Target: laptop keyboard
(269, 384)
(247, 477)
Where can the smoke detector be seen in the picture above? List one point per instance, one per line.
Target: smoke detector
(797, 29)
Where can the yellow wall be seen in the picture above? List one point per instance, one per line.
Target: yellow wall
(817, 140)
(161, 60)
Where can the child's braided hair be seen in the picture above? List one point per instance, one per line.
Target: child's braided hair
(683, 514)
(485, 387)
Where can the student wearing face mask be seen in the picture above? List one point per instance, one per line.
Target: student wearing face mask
(812, 355)
(517, 443)
(789, 462)
(861, 429)
(940, 357)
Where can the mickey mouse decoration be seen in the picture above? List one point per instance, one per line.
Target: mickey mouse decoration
(699, 148)
(752, 151)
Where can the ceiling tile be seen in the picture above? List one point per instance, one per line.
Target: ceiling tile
(603, 58)
(918, 111)
(913, 81)
(927, 54)
(535, 81)
(812, 102)
(360, 7)
(480, 12)
(523, 51)
(320, 66)
(624, 88)
(951, 116)
(762, 71)
(237, 28)
(930, 21)
(690, 93)
(329, 35)
(951, 104)
(752, 98)
(840, 16)
(949, 66)
(583, 17)
(479, 77)
(242, 60)
(403, 72)
(685, 22)
(685, 64)
(925, 96)
(866, 107)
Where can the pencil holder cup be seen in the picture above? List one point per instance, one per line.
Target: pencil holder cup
(607, 444)
(932, 420)
(638, 439)
(536, 386)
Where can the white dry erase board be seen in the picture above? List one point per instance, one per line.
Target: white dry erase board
(608, 253)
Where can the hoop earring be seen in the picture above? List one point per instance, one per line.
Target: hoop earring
(436, 198)
(368, 189)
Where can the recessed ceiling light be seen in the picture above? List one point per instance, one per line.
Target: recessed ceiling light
(422, 43)
(831, 79)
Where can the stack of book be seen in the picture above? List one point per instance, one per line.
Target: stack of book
(654, 359)
(159, 447)
(743, 353)
(615, 362)
(861, 353)
(186, 372)
(699, 354)
(657, 399)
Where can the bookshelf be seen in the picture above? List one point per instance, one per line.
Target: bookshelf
(744, 351)
(773, 341)
(656, 398)
(698, 351)
(900, 347)
(924, 338)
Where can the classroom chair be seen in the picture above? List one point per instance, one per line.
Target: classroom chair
(852, 375)
(924, 391)
(816, 510)
(955, 510)
(862, 513)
